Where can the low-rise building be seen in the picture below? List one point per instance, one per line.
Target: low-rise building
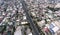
(30, 34)
(24, 22)
(57, 5)
(54, 27)
(18, 31)
(41, 23)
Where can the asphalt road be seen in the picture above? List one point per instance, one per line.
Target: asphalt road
(32, 25)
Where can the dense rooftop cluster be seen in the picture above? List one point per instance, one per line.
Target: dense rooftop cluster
(44, 13)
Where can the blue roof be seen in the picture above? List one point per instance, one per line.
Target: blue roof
(51, 26)
(52, 31)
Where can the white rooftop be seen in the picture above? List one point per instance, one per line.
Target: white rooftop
(55, 29)
(30, 34)
(58, 5)
(25, 22)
